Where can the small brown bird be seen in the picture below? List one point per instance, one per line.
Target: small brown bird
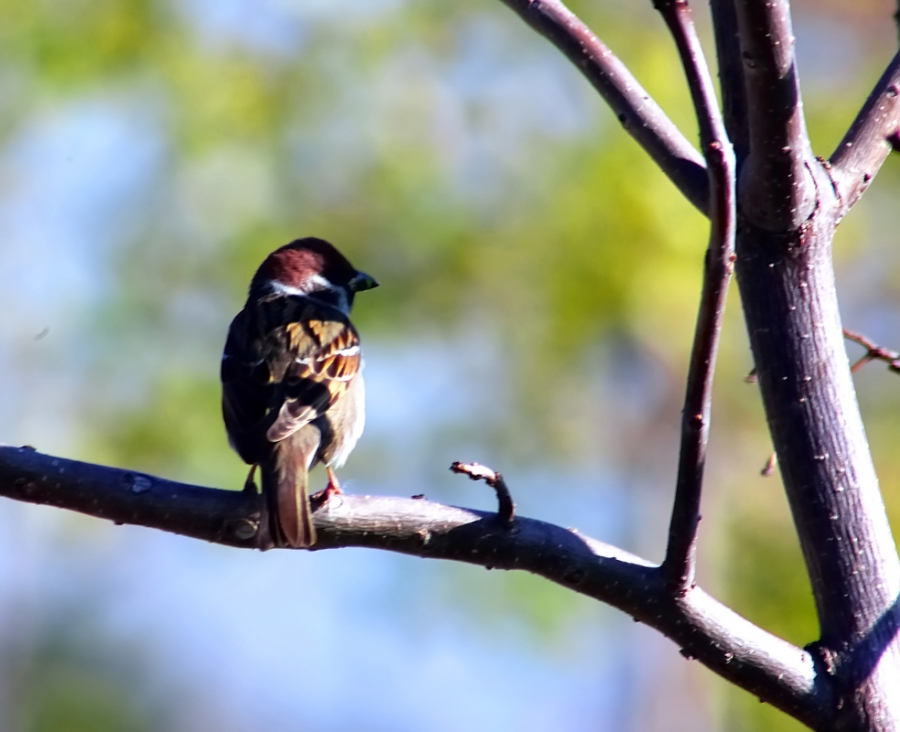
(292, 386)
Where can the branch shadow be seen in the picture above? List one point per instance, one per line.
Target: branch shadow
(864, 656)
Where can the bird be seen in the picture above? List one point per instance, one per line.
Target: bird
(292, 384)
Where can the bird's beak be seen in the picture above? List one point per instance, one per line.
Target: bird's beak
(362, 281)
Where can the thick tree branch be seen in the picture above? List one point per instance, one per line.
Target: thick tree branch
(777, 192)
(641, 117)
(790, 304)
(870, 139)
(680, 563)
(765, 665)
(789, 209)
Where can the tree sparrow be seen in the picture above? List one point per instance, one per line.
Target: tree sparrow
(292, 385)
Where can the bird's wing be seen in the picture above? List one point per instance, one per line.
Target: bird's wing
(314, 356)
(246, 392)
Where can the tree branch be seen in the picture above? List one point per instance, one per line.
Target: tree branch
(870, 139)
(777, 191)
(641, 117)
(790, 305)
(731, 75)
(776, 671)
(874, 352)
(680, 562)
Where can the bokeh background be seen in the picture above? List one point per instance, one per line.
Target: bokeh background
(539, 287)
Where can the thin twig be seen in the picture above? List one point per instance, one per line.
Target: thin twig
(680, 563)
(772, 669)
(874, 352)
(506, 509)
(638, 113)
(777, 191)
(769, 468)
(869, 140)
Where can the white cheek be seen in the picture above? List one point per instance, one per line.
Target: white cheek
(316, 282)
(283, 289)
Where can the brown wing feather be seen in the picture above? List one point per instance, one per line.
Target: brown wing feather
(323, 356)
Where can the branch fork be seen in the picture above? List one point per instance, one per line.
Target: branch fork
(874, 352)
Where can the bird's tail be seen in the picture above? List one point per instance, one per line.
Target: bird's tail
(284, 480)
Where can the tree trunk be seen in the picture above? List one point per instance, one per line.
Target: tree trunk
(786, 282)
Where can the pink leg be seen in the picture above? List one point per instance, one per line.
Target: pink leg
(333, 488)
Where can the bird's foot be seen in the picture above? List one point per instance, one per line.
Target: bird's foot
(332, 489)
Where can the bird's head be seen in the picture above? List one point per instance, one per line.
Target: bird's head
(310, 267)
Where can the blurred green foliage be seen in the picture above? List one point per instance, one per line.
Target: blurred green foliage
(417, 138)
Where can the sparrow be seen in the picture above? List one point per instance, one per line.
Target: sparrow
(292, 385)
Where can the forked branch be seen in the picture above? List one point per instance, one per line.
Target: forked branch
(874, 352)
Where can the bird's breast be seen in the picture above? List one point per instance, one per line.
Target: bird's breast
(347, 418)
